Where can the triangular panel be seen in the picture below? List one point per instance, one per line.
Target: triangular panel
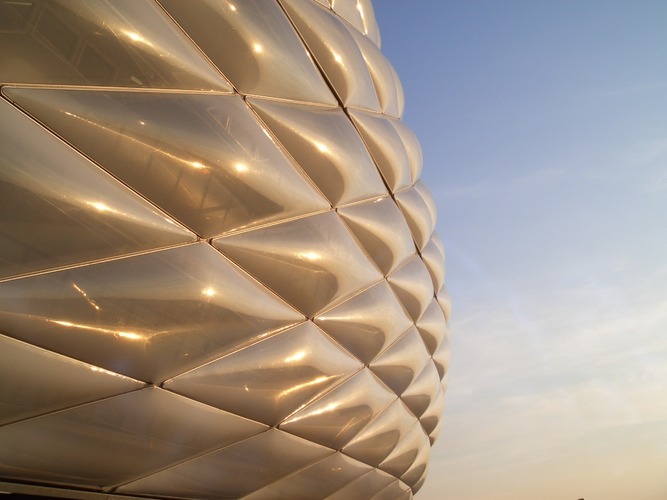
(413, 286)
(402, 362)
(58, 382)
(57, 208)
(379, 225)
(401, 459)
(97, 42)
(312, 262)
(337, 53)
(423, 390)
(432, 326)
(150, 316)
(364, 487)
(418, 215)
(204, 159)
(386, 147)
(254, 45)
(367, 323)
(234, 471)
(328, 148)
(270, 380)
(117, 439)
(339, 415)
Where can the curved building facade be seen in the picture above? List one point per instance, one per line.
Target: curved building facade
(218, 271)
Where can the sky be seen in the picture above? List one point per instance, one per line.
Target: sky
(544, 132)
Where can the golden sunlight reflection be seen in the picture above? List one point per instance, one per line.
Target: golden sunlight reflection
(257, 48)
(136, 37)
(297, 356)
(115, 333)
(99, 206)
(198, 165)
(338, 58)
(85, 296)
(297, 387)
(322, 147)
(209, 291)
(312, 256)
(241, 167)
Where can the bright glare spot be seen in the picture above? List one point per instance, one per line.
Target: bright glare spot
(309, 255)
(322, 147)
(232, 7)
(142, 123)
(134, 36)
(338, 58)
(258, 48)
(241, 167)
(297, 356)
(197, 164)
(209, 292)
(98, 205)
(130, 335)
(63, 323)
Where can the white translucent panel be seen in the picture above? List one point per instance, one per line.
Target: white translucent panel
(349, 10)
(430, 419)
(317, 481)
(413, 287)
(435, 263)
(432, 326)
(399, 93)
(234, 471)
(417, 214)
(435, 433)
(386, 147)
(435, 238)
(417, 486)
(380, 226)
(328, 148)
(204, 159)
(381, 73)
(255, 46)
(115, 440)
(59, 382)
(57, 208)
(150, 316)
(364, 487)
(398, 366)
(371, 28)
(367, 323)
(412, 148)
(334, 419)
(401, 459)
(270, 380)
(423, 390)
(444, 301)
(418, 469)
(395, 491)
(424, 192)
(119, 43)
(441, 357)
(334, 48)
(312, 262)
(381, 435)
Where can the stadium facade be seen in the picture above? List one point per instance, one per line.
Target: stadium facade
(219, 276)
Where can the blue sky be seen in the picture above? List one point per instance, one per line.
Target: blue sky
(544, 134)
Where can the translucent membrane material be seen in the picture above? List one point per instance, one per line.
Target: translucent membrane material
(365, 487)
(324, 267)
(418, 215)
(119, 43)
(117, 439)
(234, 471)
(432, 326)
(386, 146)
(334, 419)
(57, 208)
(367, 323)
(149, 316)
(254, 45)
(402, 362)
(423, 390)
(324, 477)
(412, 285)
(60, 382)
(202, 158)
(377, 440)
(404, 455)
(296, 366)
(381, 228)
(435, 263)
(336, 51)
(328, 148)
